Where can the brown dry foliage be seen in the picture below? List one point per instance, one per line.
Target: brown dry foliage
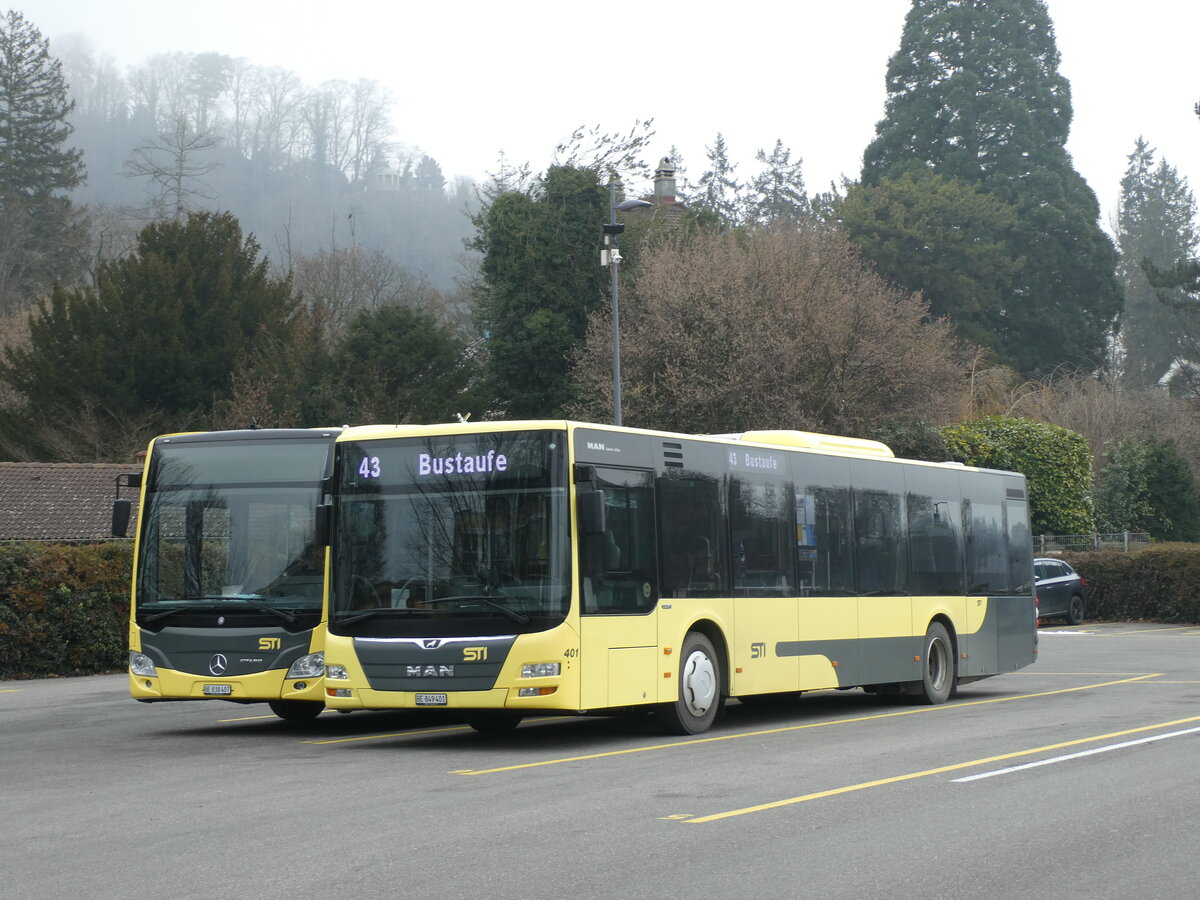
(772, 329)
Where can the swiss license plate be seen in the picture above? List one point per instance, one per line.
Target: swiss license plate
(431, 699)
(220, 690)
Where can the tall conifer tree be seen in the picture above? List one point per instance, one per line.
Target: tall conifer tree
(1156, 223)
(974, 92)
(40, 234)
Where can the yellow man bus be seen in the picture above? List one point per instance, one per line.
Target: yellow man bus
(228, 578)
(505, 569)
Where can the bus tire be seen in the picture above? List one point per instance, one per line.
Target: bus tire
(938, 671)
(494, 722)
(699, 698)
(296, 710)
(1075, 610)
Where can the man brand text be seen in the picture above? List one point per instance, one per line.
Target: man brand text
(429, 671)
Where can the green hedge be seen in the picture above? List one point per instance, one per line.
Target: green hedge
(1158, 584)
(64, 608)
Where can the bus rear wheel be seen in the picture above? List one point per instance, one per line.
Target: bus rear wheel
(494, 722)
(700, 697)
(296, 710)
(938, 670)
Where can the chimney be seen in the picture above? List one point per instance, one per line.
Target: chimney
(664, 181)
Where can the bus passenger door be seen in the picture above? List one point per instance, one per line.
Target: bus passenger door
(618, 589)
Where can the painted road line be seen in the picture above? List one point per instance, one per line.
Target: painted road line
(786, 729)
(940, 770)
(1094, 751)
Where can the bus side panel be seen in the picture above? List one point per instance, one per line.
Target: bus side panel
(828, 648)
(886, 631)
(763, 623)
(1016, 628)
(980, 644)
(618, 660)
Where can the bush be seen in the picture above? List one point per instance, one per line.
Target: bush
(1159, 584)
(1056, 463)
(64, 608)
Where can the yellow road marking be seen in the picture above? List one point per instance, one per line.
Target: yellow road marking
(246, 719)
(833, 792)
(395, 734)
(790, 728)
(11, 690)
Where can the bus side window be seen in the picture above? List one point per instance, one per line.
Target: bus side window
(618, 566)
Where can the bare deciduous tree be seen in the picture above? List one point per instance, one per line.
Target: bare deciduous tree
(775, 329)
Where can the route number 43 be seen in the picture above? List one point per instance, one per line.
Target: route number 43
(369, 467)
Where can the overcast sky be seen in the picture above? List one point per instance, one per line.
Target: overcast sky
(472, 78)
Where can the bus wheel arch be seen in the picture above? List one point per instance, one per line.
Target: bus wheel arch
(701, 685)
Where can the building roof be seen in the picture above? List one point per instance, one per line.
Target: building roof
(60, 501)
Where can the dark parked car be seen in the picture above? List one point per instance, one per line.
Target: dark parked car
(1059, 591)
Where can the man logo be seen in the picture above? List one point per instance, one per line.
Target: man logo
(429, 671)
(218, 664)
(432, 644)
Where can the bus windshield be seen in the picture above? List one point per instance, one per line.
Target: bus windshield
(230, 526)
(451, 535)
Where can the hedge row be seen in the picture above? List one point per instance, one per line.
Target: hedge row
(1158, 584)
(64, 608)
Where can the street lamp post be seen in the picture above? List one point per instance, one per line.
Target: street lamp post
(611, 256)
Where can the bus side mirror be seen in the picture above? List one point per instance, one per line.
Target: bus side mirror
(322, 524)
(120, 517)
(591, 511)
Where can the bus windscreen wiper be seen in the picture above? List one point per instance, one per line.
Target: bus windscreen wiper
(369, 613)
(218, 602)
(518, 617)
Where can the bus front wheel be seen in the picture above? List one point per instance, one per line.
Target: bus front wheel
(938, 669)
(700, 698)
(296, 710)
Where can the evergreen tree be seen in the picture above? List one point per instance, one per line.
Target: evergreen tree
(1147, 486)
(974, 93)
(539, 280)
(1156, 222)
(947, 236)
(151, 347)
(777, 193)
(40, 234)
(718, 191)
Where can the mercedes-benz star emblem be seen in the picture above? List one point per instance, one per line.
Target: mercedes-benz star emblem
(218, 664)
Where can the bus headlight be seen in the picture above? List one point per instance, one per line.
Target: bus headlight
(541, 670)
(311, 666)
(337, 672)
(141, 664)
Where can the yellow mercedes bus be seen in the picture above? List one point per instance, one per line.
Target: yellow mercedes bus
(505, 569)
(228, 574)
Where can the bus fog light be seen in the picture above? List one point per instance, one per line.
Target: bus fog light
(536, 691)
(336, 672)
(310, 666)
(540, 670)
(141, 664)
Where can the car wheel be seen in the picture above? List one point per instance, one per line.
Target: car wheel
(1075, 610)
